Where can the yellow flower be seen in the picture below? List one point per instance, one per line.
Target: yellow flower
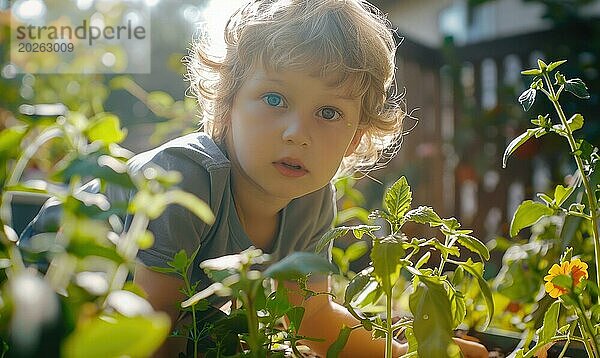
(575, 268)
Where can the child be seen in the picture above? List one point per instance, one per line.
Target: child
(304, 93)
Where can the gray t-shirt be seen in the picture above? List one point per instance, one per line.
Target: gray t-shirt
(205, 171)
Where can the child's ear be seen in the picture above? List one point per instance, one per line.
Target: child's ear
(355, 142)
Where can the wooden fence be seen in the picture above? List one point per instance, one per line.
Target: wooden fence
(467, 114)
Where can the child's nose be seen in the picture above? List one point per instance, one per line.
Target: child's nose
(296, 131)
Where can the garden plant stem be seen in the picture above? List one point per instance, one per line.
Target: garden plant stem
(586, 183)
(252, 325)
(389, 336)
(591, 344)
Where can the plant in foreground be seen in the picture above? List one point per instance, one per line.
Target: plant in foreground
(79, 300)
(437, 306)
(256, 329)
(580, 200)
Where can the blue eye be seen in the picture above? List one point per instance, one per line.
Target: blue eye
(273, 100)
(330, 114)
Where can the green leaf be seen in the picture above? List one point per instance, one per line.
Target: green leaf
(331, 235)
(295, 315)
(149, 204)
(458, 306)
(413, 345)
(527, 98)
(432, 324)
(424, 215)
(476, 269)
(546, 199)
(163, 269)
(159, 100)
(277, 303)
(458, 276)
(352, 213)
(561, 194)
(118, 336)
(443, 249)
(559, 79)
(356, 250)
(10, 138)
(451, 224)
(356, 285)
(542, 65)
(532, 72)
(527, 214)
(192, 203)
(370, 295)
(121, 82)
(359, 230)
(106, 127)
(96, 165)
(83, 249)
(577, 87)
(550, 325)
(575, 122)
(299, 264)
(423, 260)
(517, 142)
(563, 281)
(474, 245)
(554, 65)
(398, 198)
(386, 255)
(337, 254)
(336, 347)
(179, 262)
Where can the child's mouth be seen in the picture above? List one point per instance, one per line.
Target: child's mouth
(290, 167)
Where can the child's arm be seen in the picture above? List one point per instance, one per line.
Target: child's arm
(324, 318)
(163, 295)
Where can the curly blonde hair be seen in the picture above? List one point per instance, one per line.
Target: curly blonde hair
(348, 42)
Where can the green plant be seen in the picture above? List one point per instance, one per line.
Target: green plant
(578, 203)
(437, 306)
(256, 326)
(83, 301)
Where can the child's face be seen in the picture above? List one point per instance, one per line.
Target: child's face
(289, 132)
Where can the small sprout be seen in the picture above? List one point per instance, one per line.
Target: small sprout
(537, 83)
(559, 79)
(542, 121)
(542, 65)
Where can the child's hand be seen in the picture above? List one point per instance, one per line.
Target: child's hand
(471, 349)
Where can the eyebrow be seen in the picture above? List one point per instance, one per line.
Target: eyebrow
(338, 96)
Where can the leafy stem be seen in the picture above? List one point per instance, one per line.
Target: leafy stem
(588, 330)
(252, 319)
(389, 335)
(586, 183)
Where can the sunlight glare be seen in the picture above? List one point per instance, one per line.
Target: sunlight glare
(29, 9)
(214, 18)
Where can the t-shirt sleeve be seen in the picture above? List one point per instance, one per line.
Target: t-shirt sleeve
(49, 217)
(324, 222)
(177, 228)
